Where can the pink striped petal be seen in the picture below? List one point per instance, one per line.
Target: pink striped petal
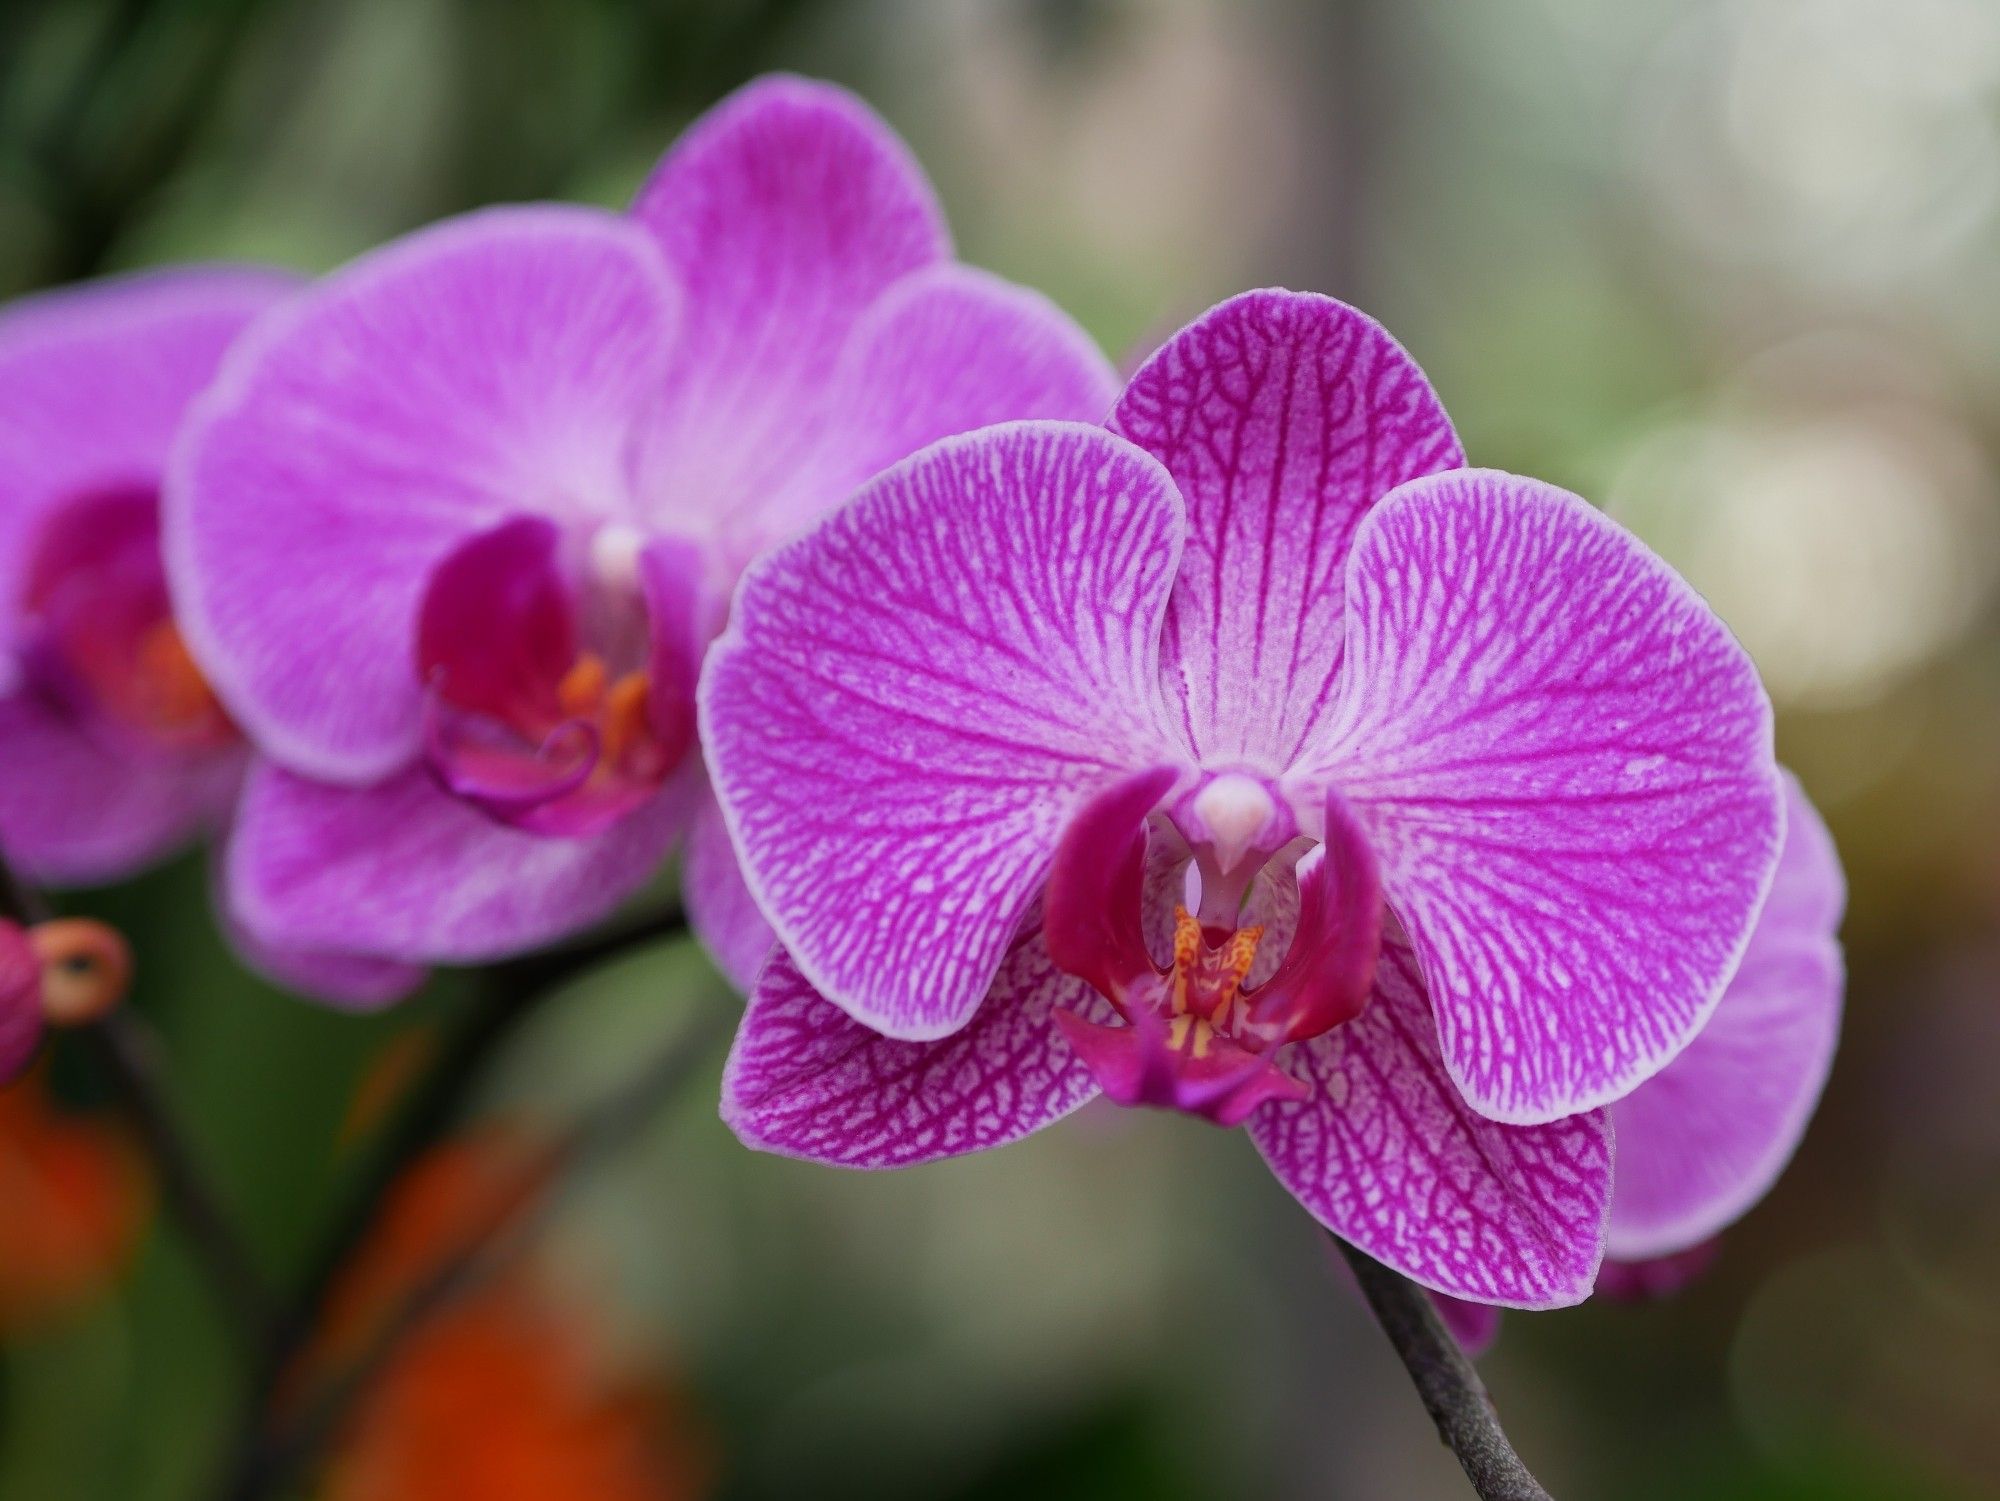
(408, 872)
(1564, 763)
(914, 697)
(806, 1080)
(1283, 417)
(786, 211)
(95, 380)
(720, 909)
(1387, 1155)
(1706, 1137)
(497, 363)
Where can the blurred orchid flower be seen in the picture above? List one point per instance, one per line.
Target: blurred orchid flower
(971, 733)
(453, 530)
(117, 752)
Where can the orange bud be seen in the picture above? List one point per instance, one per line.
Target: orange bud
(86, 969)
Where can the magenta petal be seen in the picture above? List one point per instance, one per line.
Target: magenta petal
(1135, 1064)
(915, 697)
(407, 871)
(95, 380)
(1387, 1155)
(720, 909)
(1705, 1138)
(786, 211)
(73, 813)
(20, 1002)
(353, 982)
(1563, 761)
(684, 610)
(494, 364)
(1283, 417)
(1656, 1276)
(806, 1080)
(947, 350)
(1093, 909)
(496, 631)
(1474, 1325)
(1328, 970)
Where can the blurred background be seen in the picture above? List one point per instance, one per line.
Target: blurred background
(1727, 267)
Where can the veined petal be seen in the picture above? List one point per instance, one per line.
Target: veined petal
(720, 909)
(1564, 763)
(914, 697)
(785, 211)
(73, 813)
(1704, 1139)
(407, 871)
(495, 364)
(807, 1080)
(94, 380)
(946, 350)
(1388, 1156)
(1283, 417)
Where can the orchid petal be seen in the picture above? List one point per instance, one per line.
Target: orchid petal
(1563, 761)
(1705, 1138)
(1653, 1277)
(75, 813)
(720, 909)
(1283, 417)
(947, 350)
(21, 1014)
(406, 871)
(496, 630)
(914, 698)
(1093, 908)
(95, 380)
(786, 211)
(497, 363)
(1386, 1154)
(1475, 1326)
(806, 1080)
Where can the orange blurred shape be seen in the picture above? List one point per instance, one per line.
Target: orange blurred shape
(75, 1204)
(507, 1393)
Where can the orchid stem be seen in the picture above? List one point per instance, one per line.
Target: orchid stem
(1451, 1390)
(285, 1456)
(124, 1050)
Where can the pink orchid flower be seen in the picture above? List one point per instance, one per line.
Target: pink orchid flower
(453, 530)
(1020, 750)
(117, 752)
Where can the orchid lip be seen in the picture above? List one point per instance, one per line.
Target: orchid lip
(1196, 1036)
(525, 719)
